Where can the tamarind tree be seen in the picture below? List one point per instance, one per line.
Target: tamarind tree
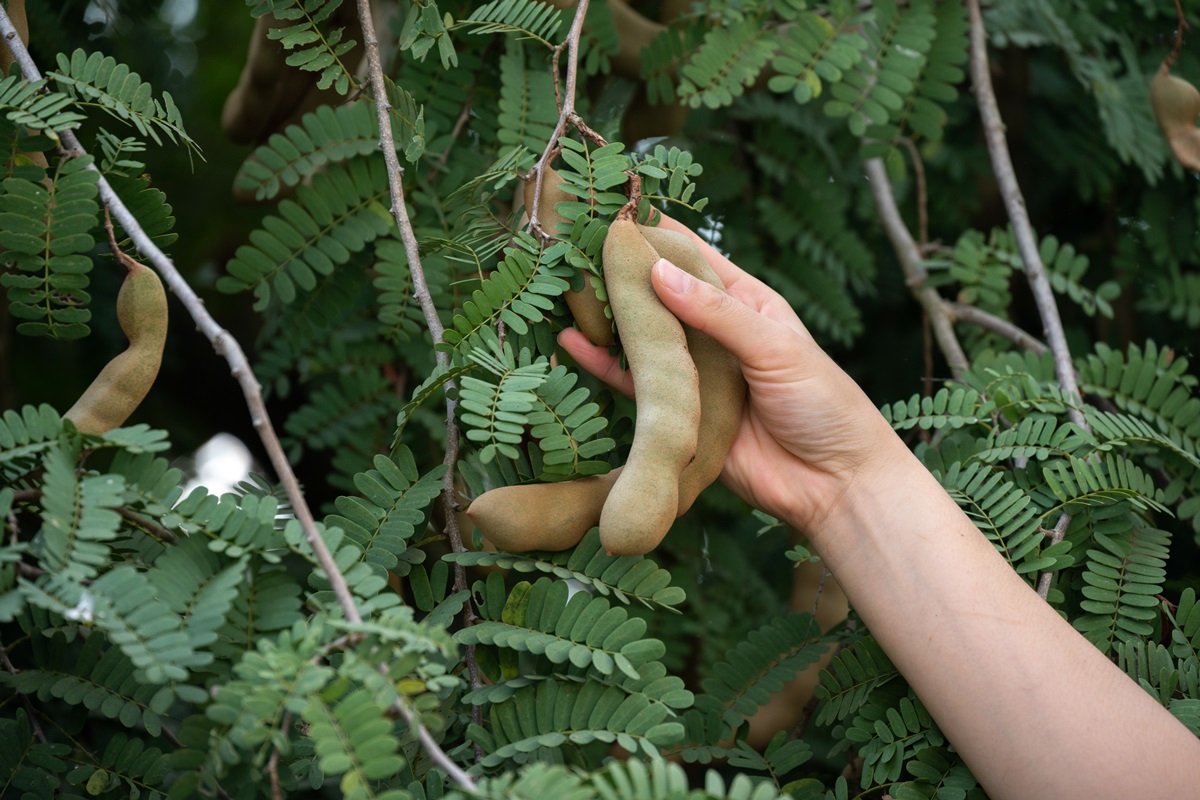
(989, 215)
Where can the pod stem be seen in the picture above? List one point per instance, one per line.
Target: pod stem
(1178, 45)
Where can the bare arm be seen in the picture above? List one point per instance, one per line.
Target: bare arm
(1034, 709)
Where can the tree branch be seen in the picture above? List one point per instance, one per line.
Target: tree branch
(1018, 215)
(962, 312)
(222, 341)
(914, 272)
(566, 112)
(433, 749)
(387, 144)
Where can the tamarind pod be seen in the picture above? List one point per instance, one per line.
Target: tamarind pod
(722, 385)
(16, 14)
(634, 33)
(541, 516)
(810, 587)
(270, 94)
(644, 500)
(642, 120)
(586, 306)
(1176, 105)
(126, 380)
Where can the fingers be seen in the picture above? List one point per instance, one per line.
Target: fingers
(758, 340)
(739, 283)
(596, 360)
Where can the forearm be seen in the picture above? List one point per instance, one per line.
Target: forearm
(1035, 710)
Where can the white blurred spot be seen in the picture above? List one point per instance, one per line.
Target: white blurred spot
(221, 463)
(82, 612)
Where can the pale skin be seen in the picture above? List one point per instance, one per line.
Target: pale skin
(1034, 709)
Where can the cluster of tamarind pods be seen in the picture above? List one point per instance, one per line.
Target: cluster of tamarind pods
(689, 392)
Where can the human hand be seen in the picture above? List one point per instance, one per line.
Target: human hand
(808, 432)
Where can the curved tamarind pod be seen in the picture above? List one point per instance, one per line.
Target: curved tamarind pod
(271, 94)
(124, 382)
(722, 385)
(644, 500)
(1176, 106)
(642, 120)
(810, 587)
(586, 306)
(541, 516)
(634, 33)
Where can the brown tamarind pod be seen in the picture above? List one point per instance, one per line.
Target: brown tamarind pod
(586, 306)
(126, 380)
(641, 119)
(645, 499)
(811, 587)
(270, 94)
(541, 516)
(634, 33)
(1176, 104)
(722, 385)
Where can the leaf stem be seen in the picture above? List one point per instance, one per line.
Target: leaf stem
(222, 341)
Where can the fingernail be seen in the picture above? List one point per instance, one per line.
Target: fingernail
(673, 277)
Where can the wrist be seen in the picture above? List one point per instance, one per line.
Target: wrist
(873, 502)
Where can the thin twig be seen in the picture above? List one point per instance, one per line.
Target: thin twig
(387, 144)
(567, 107)
(918, 167)
(222, 341)
(1183, 25)
(273, 761)
(1056, 536)
(914, 271)
(1018, 215)
(962, 312)
(433, 749)
(33, 715)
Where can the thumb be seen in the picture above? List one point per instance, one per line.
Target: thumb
(742, 330)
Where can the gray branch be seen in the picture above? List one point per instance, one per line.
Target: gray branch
(914, 270)
(1018, 215)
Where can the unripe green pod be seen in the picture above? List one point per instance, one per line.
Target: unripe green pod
(1176, 105)
(541, 516)
(722, 385)
(586, 306)
(124, 382)
(645, 499)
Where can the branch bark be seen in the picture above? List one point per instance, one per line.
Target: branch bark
(566, 112)
(387, 144)
(914, 272)
(222, 341)
(1018, 215)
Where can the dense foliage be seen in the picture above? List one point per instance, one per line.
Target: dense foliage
(169, 642)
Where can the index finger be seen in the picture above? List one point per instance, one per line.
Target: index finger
(739, 283)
